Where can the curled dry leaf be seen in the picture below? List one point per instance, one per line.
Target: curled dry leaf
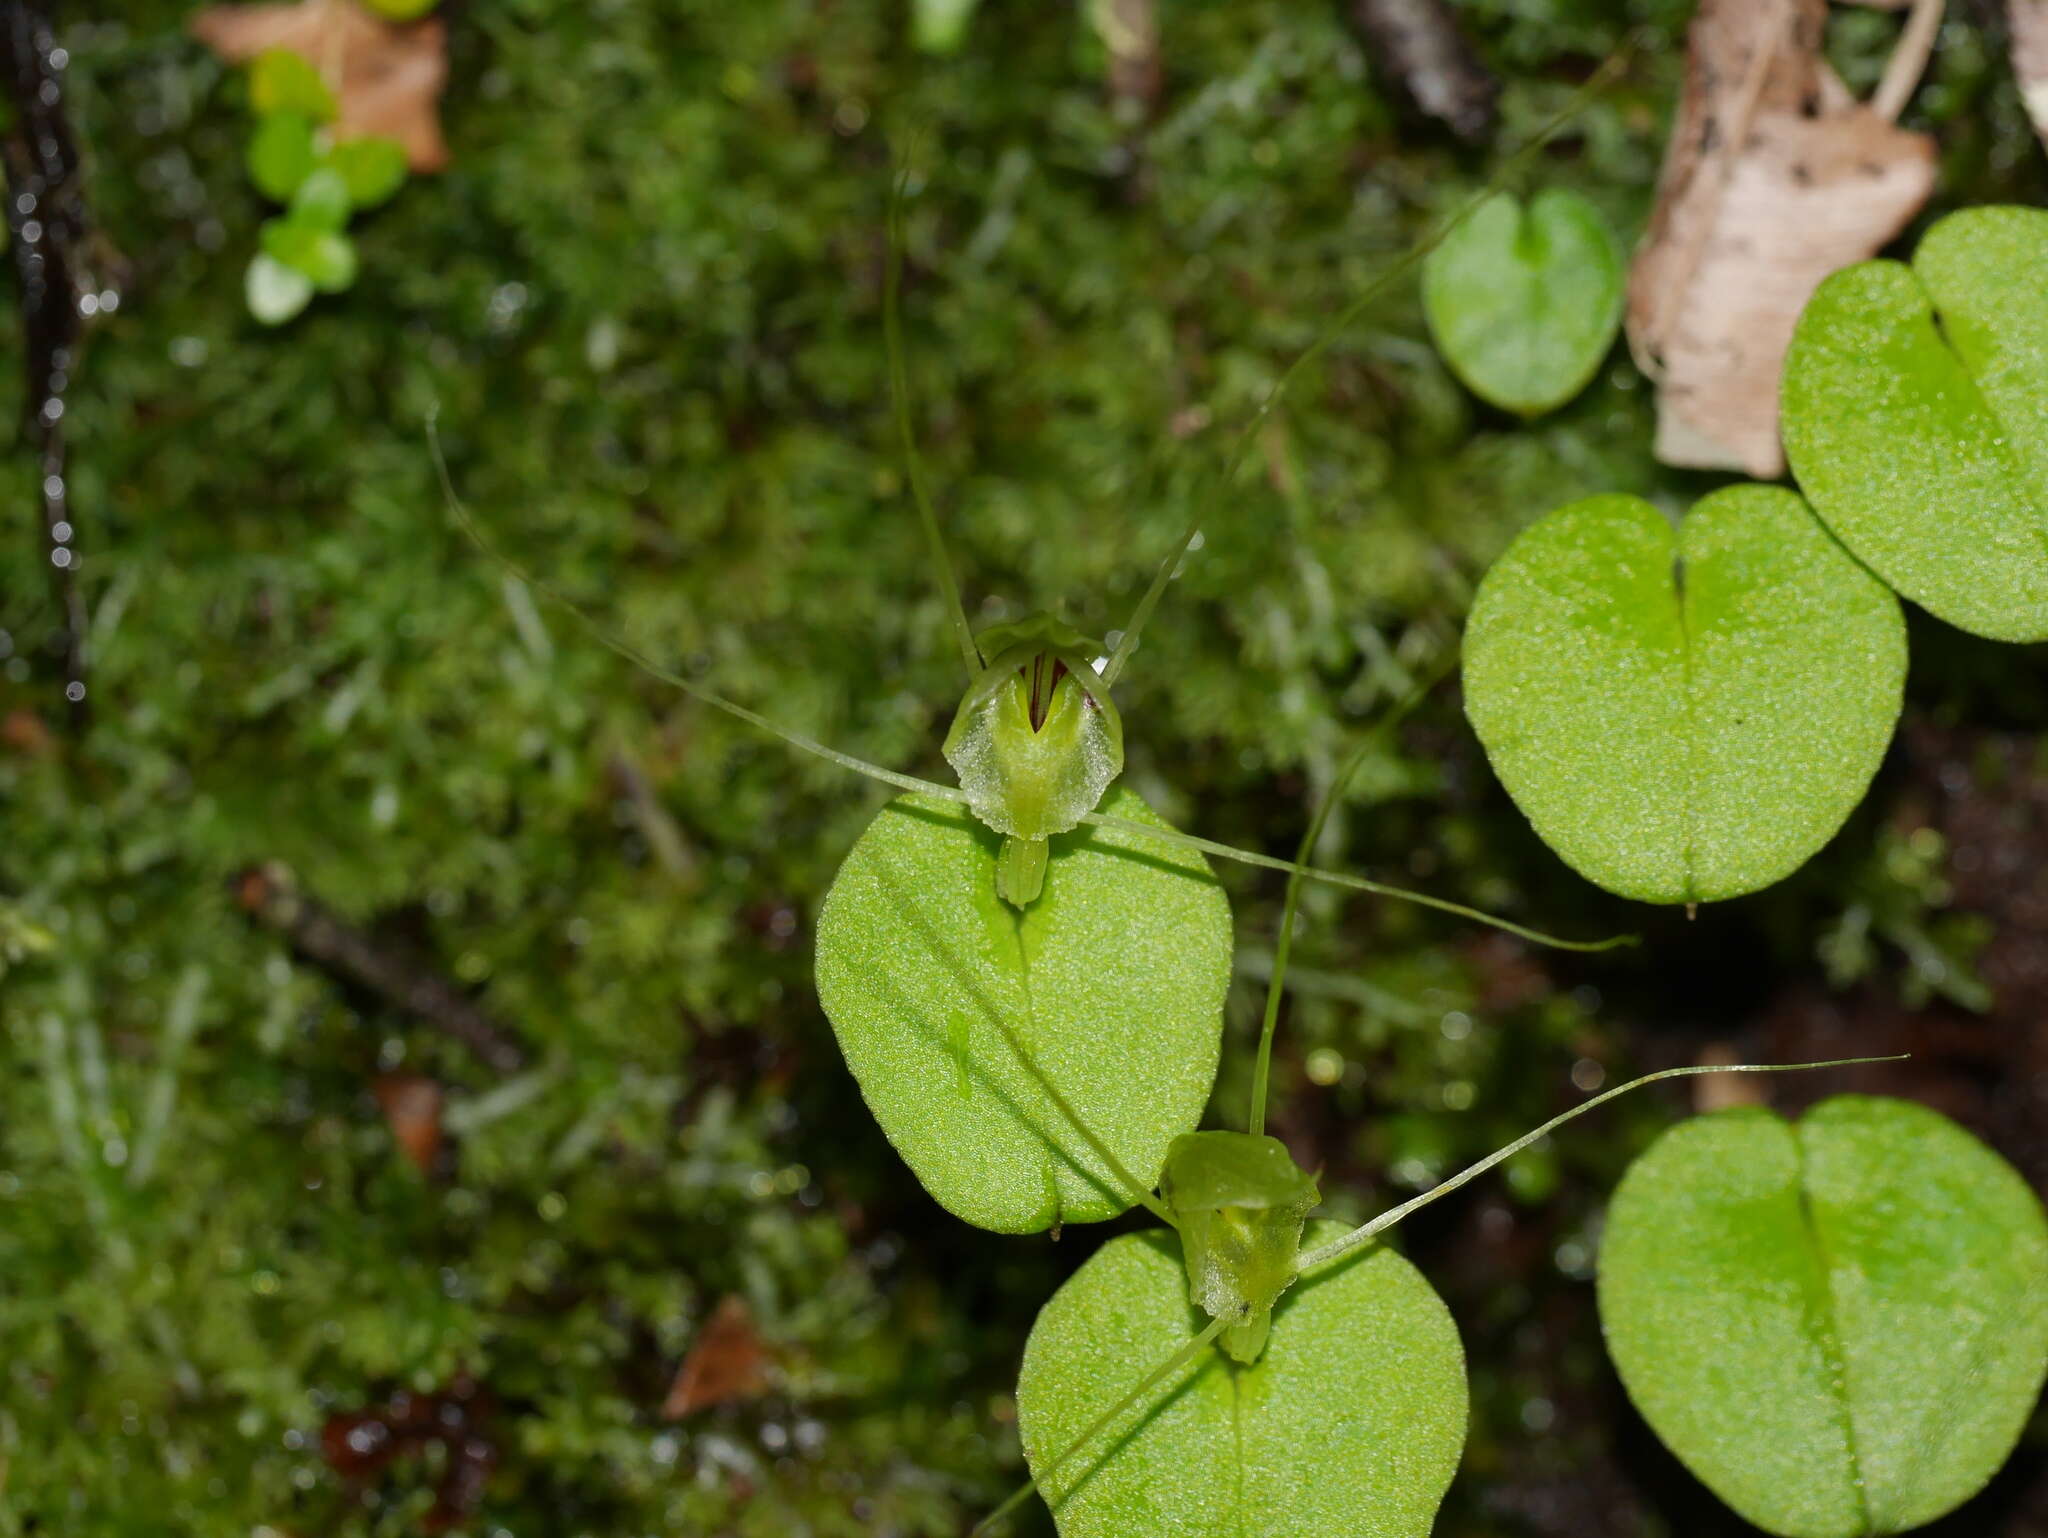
(726, 1362)
(1774, 177)
(387, 77)
(2028, 21)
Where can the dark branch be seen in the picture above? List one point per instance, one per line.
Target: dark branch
(1417, 46)
(47, 218)
(270, 895)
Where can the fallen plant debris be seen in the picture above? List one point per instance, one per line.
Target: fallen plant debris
(411, 1104)
(1420, 49)
(726, 1363)
(2027, 23)
(387, 77)
(362, 1445)
(270, 894)
(1129, 30)
(1774, 177)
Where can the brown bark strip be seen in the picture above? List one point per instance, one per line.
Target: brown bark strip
(270, 894)
(1417, 44)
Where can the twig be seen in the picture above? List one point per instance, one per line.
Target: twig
(47, 220)
(664, 838)
(1902, 71)
(1130, 31)
(270, 895)
(1417, 44)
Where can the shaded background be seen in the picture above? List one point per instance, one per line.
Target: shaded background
(646, 297)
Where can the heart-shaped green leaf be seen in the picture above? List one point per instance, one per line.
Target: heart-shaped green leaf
(281, 154)
(283, 81)
(1684, 717)
(273, 291)
(1839, 1326)
(327, 260)
(1351, 1421)
(1112, 983)
(940, 26)
(322, 201)
(1524, 302)
(1914, 418)
(371, 168)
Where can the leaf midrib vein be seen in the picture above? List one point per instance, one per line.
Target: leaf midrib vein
(1830, 1341)
(2023, 472)
(1695, 778)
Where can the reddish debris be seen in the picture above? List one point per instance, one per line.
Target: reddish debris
(726, 1363)
(412, 1109)
(361, 1446)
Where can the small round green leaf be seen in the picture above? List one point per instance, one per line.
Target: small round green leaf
(1351, 1421)
(371, 168)
(281, 154)
(1112, 982)
(1684, 717)
(1524, 302)
(402, 10)
(322, 201)
(940, 26)
(1912, 403)
(275, 292)
(283, 81)
(1839, 1326)
(327, 260)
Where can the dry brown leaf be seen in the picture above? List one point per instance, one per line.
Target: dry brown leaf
(1775, 177)
(412, 1109)
(726, 1362)
(386, 76)
(24, 732)
(2029, 26)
